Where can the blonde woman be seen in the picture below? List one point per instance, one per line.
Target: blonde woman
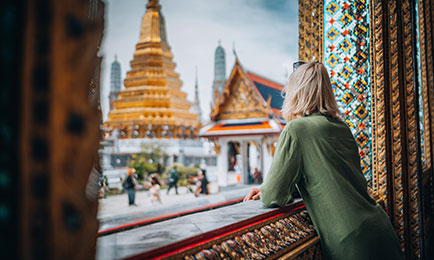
(317, 152)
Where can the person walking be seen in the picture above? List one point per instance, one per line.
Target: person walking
(154, 190)
(317, 152)
(130, 185)
(173, 180)
(202, 183)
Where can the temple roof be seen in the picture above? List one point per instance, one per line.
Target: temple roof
(249, 105)
(247, 95)
(268, 89)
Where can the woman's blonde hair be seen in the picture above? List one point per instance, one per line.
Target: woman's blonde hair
(308, 91)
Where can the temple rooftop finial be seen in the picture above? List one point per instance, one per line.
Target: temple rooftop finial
(235, 52)
(196, 74)
(153, 4)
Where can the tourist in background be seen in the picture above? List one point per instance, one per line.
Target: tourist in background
(257, 176)
(154, 190)
(202, 183)
(103, 184)
(173, 180)
(130, 185)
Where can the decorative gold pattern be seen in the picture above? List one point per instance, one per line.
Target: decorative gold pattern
(310, 41)
(239, 99)
(378, 124)
(393, 83)
(428, 12)
(411, 113)
(395, 109)
(268, 240)
(217, 147)
(424, 83)
(310, 250)
(242, 103)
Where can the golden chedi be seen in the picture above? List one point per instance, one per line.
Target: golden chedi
(152, 103)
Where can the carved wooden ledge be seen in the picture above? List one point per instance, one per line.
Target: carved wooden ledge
(286, 237)
(285, 233)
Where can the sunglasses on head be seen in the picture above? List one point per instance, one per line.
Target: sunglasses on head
(297, 64)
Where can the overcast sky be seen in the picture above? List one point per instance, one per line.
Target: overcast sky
(264, 33)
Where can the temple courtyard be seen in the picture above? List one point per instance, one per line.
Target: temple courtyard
(115, 212)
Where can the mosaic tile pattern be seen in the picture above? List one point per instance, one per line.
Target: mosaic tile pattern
(346, 56)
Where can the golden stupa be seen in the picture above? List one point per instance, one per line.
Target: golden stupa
(152, 103)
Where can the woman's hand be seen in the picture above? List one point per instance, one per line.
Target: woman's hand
(254, 194)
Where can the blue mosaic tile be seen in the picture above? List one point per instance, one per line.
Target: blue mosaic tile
(346, 56)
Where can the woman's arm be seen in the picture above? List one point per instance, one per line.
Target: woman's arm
(284, 173)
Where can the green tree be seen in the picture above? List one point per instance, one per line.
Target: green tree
(154, 152)
(149, 160)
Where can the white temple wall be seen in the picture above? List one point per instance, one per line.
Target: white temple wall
(222, 162)
(245, 162)
(172, 146)
(254, 158)
(267, 159)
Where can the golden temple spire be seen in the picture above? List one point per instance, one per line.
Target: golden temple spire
(151, 24)
(152, 99)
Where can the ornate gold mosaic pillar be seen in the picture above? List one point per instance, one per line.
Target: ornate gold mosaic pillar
(378, 105)
(310, 41)
(395, 107)
(425, 79)
(428, 10)
(396, 138)
(425, 22)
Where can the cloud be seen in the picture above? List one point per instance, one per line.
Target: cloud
(265, 35)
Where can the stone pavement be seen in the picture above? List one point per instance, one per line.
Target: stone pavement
(114, 210)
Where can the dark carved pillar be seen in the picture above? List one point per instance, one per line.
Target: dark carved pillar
(60, 129)
(395, 91)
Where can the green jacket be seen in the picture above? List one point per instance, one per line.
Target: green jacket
(319, 155)
(173, 175)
